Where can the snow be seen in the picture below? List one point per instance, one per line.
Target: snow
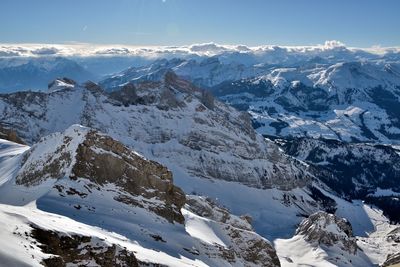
(297, 252)
(8, 161)
(384, 193)
(201, 228)
(99, 215)
(20, 218)
(165, 136)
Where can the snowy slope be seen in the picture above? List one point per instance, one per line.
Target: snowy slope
(71, 199)
(168, 121)
(347, 101)
(338, 97)
(210, 148)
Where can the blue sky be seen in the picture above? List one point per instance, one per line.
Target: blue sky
(361, 23)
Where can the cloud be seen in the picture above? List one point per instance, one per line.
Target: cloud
(269, 52)
(333, 44)
(207, 47)
(113, 51)
(45, 51)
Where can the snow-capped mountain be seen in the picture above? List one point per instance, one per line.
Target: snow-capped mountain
(322, 240)
(175, 117)
(35, 73)
(103, 204)
(345, 101)
(322, 97)
(205, 72)
(352, 169)
(213, 150)
(209, 146)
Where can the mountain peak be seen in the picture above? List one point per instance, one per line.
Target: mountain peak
(328, 229)
(61, 83)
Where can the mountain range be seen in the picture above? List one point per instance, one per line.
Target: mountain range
(239, 157)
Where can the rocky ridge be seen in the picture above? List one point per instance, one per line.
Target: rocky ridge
(213, 134)
(93, 179)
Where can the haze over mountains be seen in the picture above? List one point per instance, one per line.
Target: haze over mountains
(201, 155)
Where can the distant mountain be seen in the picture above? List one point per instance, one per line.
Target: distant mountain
(348, 101)
(17, 74)
(204, 73)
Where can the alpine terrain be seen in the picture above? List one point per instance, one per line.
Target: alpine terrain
(200, 155)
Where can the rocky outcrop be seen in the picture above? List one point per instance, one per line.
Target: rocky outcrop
(78, 250)
(213, 140)
(91, 180)
(103, 160)
(126, 95)
(327, 229)
(394, 236)
(83, 153)
(392, 260)
(351, 169)
(245, 244)
(10, 135)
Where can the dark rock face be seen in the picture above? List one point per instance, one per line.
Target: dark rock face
(126, 95)
(10, 135)
(328, 229)
(352, 169)
(390, 205)
(394, 236)
(155, 113)
(83, 153)
(103, 160)
(262, 88)
(93, 87)
(393, 260)
(80, 250)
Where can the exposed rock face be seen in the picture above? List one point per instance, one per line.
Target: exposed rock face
(126, 95)
(245, 243)
(393, 260)
(103, 160)
(84, 153)
(329, 230)
(354, 170)
(394, 236)
(93, 87)
(10, 135)
(80, 250)
(102, 188)
(171, 121)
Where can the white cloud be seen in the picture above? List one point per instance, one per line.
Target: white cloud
(205, 49)
(333, 44)
(45, 51)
